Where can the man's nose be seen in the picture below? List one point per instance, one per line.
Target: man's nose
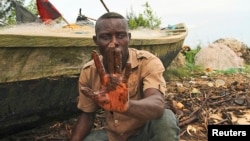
(114, 40)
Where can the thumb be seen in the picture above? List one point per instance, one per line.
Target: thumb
(86, 91)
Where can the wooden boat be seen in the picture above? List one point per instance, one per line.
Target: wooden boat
(39, 72)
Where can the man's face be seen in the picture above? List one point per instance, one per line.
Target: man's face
(112, 31)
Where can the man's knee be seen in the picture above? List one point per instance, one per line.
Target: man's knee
(167, 121)
(167, 126)
(98, 135)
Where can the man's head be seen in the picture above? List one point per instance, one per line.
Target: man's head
(112, 28)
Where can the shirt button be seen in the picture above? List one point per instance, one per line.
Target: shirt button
(116, 122)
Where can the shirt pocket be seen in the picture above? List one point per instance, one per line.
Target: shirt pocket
(133, 86)
(132, 89)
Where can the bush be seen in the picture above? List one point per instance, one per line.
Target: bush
(147, 19)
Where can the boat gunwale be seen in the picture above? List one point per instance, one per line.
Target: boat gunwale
(52, 41)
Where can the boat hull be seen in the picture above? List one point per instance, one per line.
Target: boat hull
(31, 103)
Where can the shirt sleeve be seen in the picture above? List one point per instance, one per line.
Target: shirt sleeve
(153, 75)
(85, 103)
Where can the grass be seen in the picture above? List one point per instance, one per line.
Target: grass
(190, 70)
(186, 71)
(244, 70)
(182, 72)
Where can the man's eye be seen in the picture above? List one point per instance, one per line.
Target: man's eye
(105, 37)
(121, 36)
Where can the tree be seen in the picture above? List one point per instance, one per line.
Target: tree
(146, 19)
(8, 13)
(32, 7)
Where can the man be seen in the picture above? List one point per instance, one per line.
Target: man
(126, 83)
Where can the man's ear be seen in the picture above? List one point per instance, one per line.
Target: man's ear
(95, 39)
(129, 35)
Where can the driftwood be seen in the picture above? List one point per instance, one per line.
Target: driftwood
(192, 117)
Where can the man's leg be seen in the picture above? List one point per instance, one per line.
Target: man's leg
(98, 135)
(164, 129)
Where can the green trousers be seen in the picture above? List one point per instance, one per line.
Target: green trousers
(164, 129)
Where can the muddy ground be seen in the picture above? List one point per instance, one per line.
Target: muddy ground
(198, 101)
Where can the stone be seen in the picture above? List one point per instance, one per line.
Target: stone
(218, 56)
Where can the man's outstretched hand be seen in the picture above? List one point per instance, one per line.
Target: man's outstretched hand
(113, 94)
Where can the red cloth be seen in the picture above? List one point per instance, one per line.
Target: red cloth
(47, 11)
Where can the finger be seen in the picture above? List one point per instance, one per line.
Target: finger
(86, 91)
(99, 66)
(127, 73)
(110, 59)
(118, 61)
(101, 97)
(113, 83)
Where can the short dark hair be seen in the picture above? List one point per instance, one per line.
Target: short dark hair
(111, 15)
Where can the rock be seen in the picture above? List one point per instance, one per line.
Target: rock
(179, 61)
(218, 56)
(219, 83)
(241, 49)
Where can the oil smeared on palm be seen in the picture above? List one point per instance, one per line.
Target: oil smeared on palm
(113, 94)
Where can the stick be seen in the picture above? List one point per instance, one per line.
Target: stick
(105, 6)
(203, 103)
(65, 20)
(91, 18)
(220, 122)
(187, 121)
(219, 102)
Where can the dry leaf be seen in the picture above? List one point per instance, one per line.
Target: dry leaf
(191, 129)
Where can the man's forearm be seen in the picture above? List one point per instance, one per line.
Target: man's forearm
(82, 127)
(148, 108)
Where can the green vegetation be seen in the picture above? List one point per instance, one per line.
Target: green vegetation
(189, 56)
(8, 13)
(245, 69)
(183, 72)
(32, 7)
(188, 69)
(147, 19)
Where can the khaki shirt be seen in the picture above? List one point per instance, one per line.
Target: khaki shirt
(147, 72)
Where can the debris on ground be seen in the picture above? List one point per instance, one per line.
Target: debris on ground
(210, 100)
(199, 101)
